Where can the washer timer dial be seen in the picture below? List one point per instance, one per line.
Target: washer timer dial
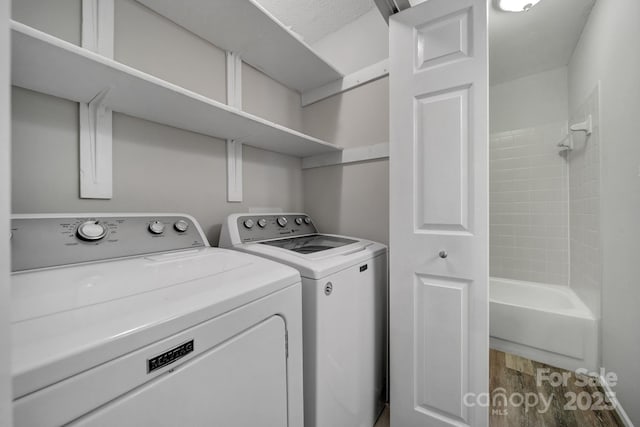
(282, 221)
(92, 231)
(156, 227)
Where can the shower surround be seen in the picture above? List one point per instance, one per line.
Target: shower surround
(544, 223)
(529, 205)
(584, 208)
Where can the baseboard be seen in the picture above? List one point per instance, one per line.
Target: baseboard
(616, 403)
(548, 357)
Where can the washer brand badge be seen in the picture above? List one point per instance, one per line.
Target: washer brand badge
(168, 357)
(364, 268)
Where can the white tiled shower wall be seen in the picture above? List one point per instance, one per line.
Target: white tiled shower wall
(529, 205)
(584, 208)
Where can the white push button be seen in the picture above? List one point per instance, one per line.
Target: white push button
(181, 225)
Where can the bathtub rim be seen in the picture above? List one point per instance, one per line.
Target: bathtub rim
(580, 309)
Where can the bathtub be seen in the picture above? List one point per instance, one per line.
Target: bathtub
(547, 323)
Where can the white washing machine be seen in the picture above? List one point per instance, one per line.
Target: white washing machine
(133, 320)
(344, 294)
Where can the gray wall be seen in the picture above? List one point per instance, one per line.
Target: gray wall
(530, 101)
(607, 52)
(155, 45)
(156, 168)
(269, 99)
(60, 18)
(5, 168)
(351, 199)
(351, 119)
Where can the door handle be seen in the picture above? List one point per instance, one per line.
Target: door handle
(443, 254)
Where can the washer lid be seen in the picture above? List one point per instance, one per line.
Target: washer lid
(70, 319)
(318, 264)
(310, 244)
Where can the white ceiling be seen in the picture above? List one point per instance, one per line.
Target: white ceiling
(314, 19)
(541, 39)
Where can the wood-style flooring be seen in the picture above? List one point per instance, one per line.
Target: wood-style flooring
(383, 421)
(515, 374)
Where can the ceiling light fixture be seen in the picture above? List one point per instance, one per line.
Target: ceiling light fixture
(516, 5)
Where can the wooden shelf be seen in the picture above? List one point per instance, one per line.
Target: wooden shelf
(246, 28)
(46, 64)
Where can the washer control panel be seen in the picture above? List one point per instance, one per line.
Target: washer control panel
(40, 242)
(254, 228)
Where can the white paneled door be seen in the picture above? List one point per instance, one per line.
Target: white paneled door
(439, 215)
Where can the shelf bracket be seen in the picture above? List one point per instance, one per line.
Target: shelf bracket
(96, 149)
(234, 171)
(96, 132)
(234, 148)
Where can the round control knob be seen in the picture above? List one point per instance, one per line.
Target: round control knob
(307, 220)
(181, 226)
(262, 223)
(156, 227)
(299, 221)
(248, 223)
(91, 231)
(282, 221)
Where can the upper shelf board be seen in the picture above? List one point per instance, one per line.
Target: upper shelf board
(46, 64)
(248, 29)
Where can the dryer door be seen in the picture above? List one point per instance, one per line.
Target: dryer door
(241, 382)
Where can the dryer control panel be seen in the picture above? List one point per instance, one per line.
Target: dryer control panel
(254, 228)
(41, 241)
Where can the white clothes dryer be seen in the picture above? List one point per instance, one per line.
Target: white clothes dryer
(133, 320)
(344, 301)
